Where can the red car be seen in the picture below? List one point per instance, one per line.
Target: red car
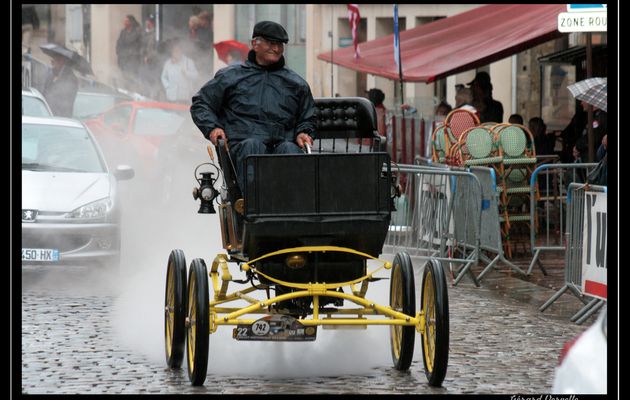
(131, 132)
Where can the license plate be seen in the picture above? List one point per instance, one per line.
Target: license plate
(40, 255)
(281, 328)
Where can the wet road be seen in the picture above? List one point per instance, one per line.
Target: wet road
(109, 340)
(86, 332)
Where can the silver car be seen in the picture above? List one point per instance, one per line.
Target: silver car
(34, 103)
(70, 209)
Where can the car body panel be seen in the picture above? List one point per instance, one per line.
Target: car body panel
(124, 142)
(90, 104)
(584, 368)
(34, 104)
(71, 189)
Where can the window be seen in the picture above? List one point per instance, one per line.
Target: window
(35, 107)
(59, 148)
(158, 121)
(118, 116)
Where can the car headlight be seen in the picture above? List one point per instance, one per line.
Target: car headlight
(96, 209)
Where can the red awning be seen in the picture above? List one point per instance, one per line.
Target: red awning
(456, 44)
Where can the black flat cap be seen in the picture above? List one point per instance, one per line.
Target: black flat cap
(271, 31)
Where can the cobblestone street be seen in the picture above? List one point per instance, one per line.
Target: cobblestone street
(76, 341)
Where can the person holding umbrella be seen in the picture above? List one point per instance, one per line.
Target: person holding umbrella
(61, 86)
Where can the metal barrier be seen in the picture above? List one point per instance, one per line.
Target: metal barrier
(438, 215)
(551, 206)
(576, 205)
(491, 240)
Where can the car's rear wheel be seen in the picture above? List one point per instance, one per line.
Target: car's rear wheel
(197, 322)
(402, 299)
(175, 309)
(435, 336)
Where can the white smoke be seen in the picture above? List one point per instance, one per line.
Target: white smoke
(149, 236)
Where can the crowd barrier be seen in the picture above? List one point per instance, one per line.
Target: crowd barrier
(491, 239)
(437, 215)
(585, 222)
(546, 232)
(450, 213)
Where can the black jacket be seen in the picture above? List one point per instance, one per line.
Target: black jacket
(249, 100)
(492, 112)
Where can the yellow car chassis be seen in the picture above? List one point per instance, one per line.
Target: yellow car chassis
(191, 315)
(221, 277)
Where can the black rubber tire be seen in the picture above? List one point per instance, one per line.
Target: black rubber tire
(198, 329)
(402, 298)
(435, 339)
(175, 309)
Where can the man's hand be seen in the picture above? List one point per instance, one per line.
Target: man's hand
(303, 138)
(216, 134)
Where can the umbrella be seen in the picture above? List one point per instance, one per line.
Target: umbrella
(75, 60)
(225, 47)
(593, 91)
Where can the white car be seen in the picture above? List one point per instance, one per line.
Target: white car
(70, 209)
(34, 103)
(583, 362)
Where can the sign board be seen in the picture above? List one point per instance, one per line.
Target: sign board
(586, 7)
(594, 263)
(583, 22)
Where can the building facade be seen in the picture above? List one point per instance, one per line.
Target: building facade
(519, 81)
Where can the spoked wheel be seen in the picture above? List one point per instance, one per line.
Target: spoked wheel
(175, 309)
(435, 337)
(197, 322)
(402, 298)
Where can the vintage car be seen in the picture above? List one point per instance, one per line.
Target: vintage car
(303, 237)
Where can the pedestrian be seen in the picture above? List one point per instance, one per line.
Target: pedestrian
(377, 97)
(178, 76)
(602, 150)
(599, 176)
(30, 23)
(544, 142)
(150, 68)
(203, 43)
(442, 110)
(260, 106)
(579, 154)
(61, 86)
(464, 99)
(573, 131)
(128, 51)
(516, 119)
(490, 110)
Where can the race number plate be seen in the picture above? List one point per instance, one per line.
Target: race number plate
(281, 328)
(40, 255)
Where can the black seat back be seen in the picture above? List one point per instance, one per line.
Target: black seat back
(346, 118)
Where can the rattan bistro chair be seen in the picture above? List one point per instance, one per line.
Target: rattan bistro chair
(441, 142)
(518, 162)
(476, 147)
(459, 120)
